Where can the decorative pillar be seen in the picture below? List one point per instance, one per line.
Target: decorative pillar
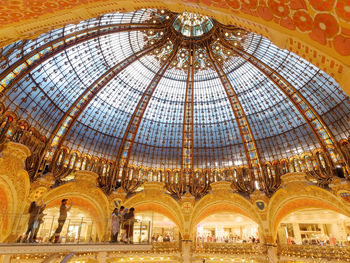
(16, 154)
(272, 253)
(101, 257)
(5, 259)
(86, 177)
(186, 247)
(14, 187)
(297, 235)
(187, 203)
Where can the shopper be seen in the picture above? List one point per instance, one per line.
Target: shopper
(33, 214)
(61, 219)
(40, 221)
(123, 212)
(115, 225)
(129, 225)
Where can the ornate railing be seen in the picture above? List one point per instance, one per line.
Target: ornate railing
(165, 247)
(251, 249)
(314, 252)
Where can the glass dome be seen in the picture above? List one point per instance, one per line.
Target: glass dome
(128, 89)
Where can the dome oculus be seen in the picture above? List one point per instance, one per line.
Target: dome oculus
(192, 25)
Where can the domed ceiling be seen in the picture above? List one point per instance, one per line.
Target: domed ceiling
(160, 89)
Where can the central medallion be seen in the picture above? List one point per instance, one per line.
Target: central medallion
(192, 25)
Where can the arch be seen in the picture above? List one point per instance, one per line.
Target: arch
(158, 208)
(221, 207)
(296, 28)
(223, 202)
(158, 202)
(297, 196)
(84, 195)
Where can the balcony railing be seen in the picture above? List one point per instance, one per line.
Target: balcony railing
(314, 252)
(230, 248)
(165, 247)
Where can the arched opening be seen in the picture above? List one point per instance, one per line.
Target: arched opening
(227, 227)
(83, 223)
(162, 222)
(156, 227)
(314, 226)
(80, 226)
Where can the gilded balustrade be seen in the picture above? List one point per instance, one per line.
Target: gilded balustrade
(314, 252)
(165, 247)
(251, 249)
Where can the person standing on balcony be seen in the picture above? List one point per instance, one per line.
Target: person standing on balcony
(33, 211)
(61, 219)
(40, 221)
(115, 226)
(129, 225)
(123, 212)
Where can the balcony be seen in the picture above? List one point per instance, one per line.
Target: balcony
(209, 250)
(311, 253)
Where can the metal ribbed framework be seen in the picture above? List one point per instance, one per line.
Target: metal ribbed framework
(248, 140)
(148, 95)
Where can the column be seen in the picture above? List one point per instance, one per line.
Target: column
(5, 259)
(101, 257)
(15, 186)
(297, 235)
(271, 248)
(272, 253)
(186, 251)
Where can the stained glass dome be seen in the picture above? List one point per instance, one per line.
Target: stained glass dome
(129, 89)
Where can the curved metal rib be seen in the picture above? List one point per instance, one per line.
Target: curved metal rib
(128, 140)
(67, 121)
(27, 63)
(187, 133)
(248, 140)
(310, 115)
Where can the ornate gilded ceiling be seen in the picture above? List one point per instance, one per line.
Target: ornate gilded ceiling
(133, 89)
(315, 30)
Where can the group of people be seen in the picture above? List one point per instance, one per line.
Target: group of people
(36, 218)
(123, 219)
(36, 215)
(162, 238)
(227, 239)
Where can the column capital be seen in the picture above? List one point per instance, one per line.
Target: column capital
(293, 178)
(15, 150)
(86, 176)
(221, 187)
(153, 186)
